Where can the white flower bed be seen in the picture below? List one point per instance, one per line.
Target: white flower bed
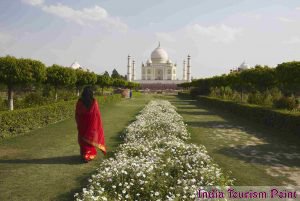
(155, 162)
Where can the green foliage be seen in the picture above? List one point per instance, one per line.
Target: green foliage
(15, 71)
(35, 99)
(13, 123)
(286, 121)
(227, 93)
(115, 74)
(259, 85)
(106, 74)
(119, 83)
(285, 76)
(3, 104)
(259, 98)
(132, 85)
(185, 85)
(266, 98)
(20, 72)
(222, 92)
(289, 103)
(258, 78)
(59, 76)
(103, 81)
(84, 78)
(21, 121)
(66, 95)
(288, 75)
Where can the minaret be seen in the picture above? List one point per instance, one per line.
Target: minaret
(133, 70)
(184, 71)
(129, 69)
(189, 68)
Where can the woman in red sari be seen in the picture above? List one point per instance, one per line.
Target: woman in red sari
(89, 126)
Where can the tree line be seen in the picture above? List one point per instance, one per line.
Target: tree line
(24, 73)
(285, 78)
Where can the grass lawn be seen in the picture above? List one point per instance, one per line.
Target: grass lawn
(255, 155)
(45, 164)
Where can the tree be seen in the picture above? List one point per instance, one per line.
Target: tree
(20, 72)
(84, 78)
(106, 74)
(123, 77)
(130, 85)
(103, 81)
(288, 75)
(59, 76)
(119, 83)
(234, 82)
(259, 78)
(115, 74)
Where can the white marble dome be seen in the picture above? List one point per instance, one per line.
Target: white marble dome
(244, 66)
(159, 55)
(75, 65)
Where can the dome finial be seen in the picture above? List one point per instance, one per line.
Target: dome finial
(158, 43)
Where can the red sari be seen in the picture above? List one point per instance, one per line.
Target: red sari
(90, 130)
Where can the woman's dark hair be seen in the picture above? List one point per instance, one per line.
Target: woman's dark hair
(87, 96)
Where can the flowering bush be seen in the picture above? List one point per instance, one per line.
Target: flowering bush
(155, 162)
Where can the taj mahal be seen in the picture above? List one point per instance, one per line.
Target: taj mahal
(159, 71)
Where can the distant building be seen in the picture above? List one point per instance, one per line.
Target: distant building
(76, 65)
(243, 66)
(159, 71)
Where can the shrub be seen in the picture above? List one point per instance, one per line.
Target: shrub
(35, 99)
(276, 93)
(289, 103)
(255, 98)
(227, 93)
(18, 103)
(2, 105)
(265, 98)
(67, 95)
(288, 122)
(201, 90)
(17, 122)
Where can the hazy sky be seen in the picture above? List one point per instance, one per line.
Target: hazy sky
(99, 34)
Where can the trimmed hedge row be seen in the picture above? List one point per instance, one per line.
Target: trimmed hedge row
(17, 122)
(288, 122)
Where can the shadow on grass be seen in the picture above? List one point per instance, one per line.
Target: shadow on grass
(270, 135)
(265, 154)
(205, 124)
(67, 160)
(196, 112)
(256, 153)
(82, 180)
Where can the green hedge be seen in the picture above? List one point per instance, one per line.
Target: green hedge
(17, 122)
(285, 121)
